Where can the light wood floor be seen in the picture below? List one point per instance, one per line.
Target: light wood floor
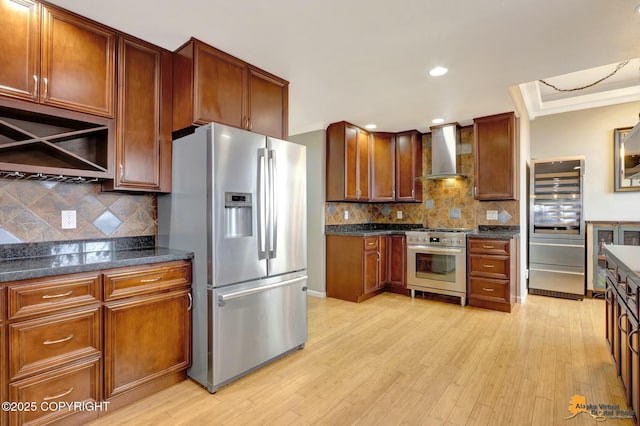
(392, 360)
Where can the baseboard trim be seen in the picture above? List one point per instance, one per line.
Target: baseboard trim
(319, 294)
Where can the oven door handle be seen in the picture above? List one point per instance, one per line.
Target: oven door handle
(436, 250)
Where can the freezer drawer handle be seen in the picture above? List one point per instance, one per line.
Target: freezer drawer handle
(222, 299)
(558, 272)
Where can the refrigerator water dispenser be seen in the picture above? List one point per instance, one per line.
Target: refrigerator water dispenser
(238, 211)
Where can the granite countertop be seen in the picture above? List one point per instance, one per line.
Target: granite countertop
(626, 257)
(35, 260)
(496, 232)
(366, 229)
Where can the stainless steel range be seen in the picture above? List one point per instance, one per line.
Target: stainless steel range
(437, 261)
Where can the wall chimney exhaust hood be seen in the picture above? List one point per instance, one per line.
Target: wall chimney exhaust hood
(444, 161)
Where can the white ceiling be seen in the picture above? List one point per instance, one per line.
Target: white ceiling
(367, 61)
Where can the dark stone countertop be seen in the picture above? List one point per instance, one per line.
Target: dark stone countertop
(36, 260)
(369, 229)
(626, 257)
(496, 232)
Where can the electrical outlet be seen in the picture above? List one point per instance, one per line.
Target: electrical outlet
(399, 214)
(68, 219)
(346, 215)
(492, 214)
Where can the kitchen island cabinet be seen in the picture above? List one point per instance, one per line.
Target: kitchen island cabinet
(143, 121)
(44, 48)
(621, 322)
(495, 144)
(3, 355)
(213, 86)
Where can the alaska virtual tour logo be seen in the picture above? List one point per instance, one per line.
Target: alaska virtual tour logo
(600, 412)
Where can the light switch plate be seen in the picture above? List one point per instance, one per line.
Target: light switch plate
(492, 214)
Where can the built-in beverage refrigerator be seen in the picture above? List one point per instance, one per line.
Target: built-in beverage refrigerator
(556, 228)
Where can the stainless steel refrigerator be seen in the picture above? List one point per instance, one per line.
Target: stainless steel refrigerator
(238, 201)
(556, 228)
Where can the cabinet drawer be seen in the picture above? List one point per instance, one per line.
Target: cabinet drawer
(44, 296)
(43, 343)
(499, 247)
(79, 382)
(370, 243)
(489, 266)
(127, 282)
(490, 289)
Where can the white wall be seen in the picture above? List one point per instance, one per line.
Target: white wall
(590, 133)
(315, 143)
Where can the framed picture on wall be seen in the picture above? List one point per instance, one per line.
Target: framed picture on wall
(626, 159)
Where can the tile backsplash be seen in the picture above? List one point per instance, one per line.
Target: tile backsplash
(446, 203)
(30, 212)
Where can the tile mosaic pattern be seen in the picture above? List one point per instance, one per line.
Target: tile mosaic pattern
(30, 212)
(441, 198)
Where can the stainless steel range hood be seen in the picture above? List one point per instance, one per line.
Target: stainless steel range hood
(444, 140)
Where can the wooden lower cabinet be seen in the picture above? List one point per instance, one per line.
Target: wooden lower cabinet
(78, 383)
(397, 282)
(353, 267)
(492, 273)
(108, 336)
(147, 338)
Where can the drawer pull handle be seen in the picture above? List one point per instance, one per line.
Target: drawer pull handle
(53, 342)
(151, 280)
(60, 395)
(488, 266)
(487, 246)
(488, 289)
(55, 296)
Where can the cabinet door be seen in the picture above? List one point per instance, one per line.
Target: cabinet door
(20, 59)
(351, 160)
(268, 104)
(610, 319)
(408, 166)
(78, 63)
(371, 271)
(383, 252)
(143, 138)
(629, 235)
(383, 147)
(363, 165)
(397, 260)
(145, 338)
(220, 82)
(495, 145)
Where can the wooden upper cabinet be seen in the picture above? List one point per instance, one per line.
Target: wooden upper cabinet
(213, 86)
(143, 122)
(408, 158)
(20, 59)
(347, 169)
(268, 104)
(383, 185)
(495, 157)
(56, 58)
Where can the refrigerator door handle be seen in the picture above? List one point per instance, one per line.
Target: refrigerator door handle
(273, 226)
(262, 205)
(222, 299)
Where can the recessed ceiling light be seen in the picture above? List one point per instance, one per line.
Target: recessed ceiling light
(438, 71)
(370, 126)
(437, 120)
